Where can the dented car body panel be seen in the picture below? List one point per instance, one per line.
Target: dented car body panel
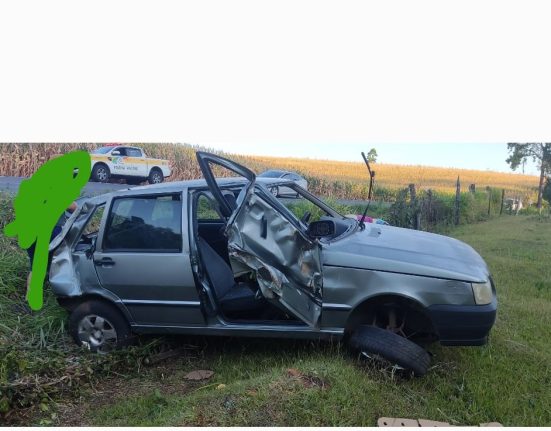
(321, 285)
(407, 251)
(287, 264)
(71, 275)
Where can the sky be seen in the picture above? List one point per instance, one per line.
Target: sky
(314, 78)
(468, 156)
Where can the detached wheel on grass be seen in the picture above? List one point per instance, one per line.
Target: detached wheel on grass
(99, 326)
(379, 343)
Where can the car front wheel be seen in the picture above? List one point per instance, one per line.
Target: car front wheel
(384, 346)
(99, 326)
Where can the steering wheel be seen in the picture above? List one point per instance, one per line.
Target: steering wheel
(306, 217)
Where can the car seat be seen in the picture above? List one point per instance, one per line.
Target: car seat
(231, 296)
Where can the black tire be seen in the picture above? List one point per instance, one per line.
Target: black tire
(155, 176)
(395, 349)
(101, 173)
(89, 313)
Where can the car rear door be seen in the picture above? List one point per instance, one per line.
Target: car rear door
(262, 239)
(143, 258)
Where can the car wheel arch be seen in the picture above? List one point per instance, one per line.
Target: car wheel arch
(361, 311)
(156, 168)
(71, 303)
(100, 326)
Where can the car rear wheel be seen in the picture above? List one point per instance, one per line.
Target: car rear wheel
(155, 176)
(99, 326)
(100, 173)
(389, 348)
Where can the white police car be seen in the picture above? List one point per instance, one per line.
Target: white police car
(129, 163)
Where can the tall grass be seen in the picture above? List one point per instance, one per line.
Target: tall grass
(255, 381)
(39, 362)
(41, 370)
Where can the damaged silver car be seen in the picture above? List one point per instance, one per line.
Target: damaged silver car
(223, 256)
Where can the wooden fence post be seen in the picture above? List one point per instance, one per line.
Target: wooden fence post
(413, 204)
(489, 190)
(457, 201)
(502, 201)
(429, 209)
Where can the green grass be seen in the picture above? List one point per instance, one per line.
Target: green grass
(507, 381)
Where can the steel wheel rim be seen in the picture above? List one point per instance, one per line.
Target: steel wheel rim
(97, 333)
(101, 174)
(275, 191)
(156, 178)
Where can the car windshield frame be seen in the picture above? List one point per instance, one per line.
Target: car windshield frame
(287, 213)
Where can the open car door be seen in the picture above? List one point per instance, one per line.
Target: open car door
(264, 241)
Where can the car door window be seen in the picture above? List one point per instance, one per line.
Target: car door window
(92, 227)
(90, 231)
(206, 209)
(133, 152)
(145, 224)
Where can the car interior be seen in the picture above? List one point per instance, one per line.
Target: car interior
(238, 299)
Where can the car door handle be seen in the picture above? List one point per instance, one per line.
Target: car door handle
(264, 228)
(106, 261)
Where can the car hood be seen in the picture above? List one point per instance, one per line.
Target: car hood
(406, 251)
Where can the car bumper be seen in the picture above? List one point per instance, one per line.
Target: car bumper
(463, 325)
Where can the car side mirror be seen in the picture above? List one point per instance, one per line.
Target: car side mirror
(115, 153)
(322, 228)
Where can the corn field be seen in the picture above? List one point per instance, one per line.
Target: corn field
(351, 178)
(334, 179)
(23, 160)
